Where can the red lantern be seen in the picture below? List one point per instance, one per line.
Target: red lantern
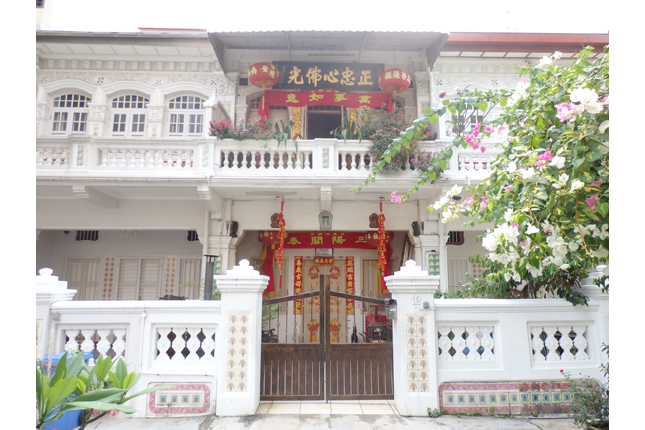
(263, 75)
(394, 81)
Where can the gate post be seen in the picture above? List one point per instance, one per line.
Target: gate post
(239, 340)
(414, 349)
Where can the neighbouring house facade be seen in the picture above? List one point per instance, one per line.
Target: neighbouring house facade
(136, 201)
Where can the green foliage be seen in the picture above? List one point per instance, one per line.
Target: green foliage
(383, 128)
(548, 191)
(590, 399)
(74, 386)
(433, 413)
(259, 130)
(347, 130)
(285, 132)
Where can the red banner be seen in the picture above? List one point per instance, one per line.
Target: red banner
(322, 98)
(297, 285)
(336, 239)
(349, 283)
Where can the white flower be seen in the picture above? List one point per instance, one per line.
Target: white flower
(600, 254)
(508, 214)
(527, 174)
(573, 246)
(564, 267)
(557, 162)
(512, 167)
(490, 242)
(516, 277)
(562, 181)
(557, 55)
(532, 229)
(535, 271)
(577, 185)
(603, 126)
(455, 189)
(507, 276)
(583, 96)
(545, 61)
(437, 206)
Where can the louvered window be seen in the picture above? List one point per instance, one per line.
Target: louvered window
(455, 238)
(83, 276)
(139, 279)
(190, 272)
(92, 235)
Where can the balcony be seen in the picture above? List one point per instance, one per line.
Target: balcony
(87, 157)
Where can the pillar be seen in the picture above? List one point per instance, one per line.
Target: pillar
(240, 329)
(48, 290)
(414, 340)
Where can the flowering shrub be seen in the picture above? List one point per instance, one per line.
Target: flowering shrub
(548, 192)
(381, 128)
(260, 130)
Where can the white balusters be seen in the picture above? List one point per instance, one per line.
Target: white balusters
(52, 157)
(559, 348)
(99, 341)
(477, 338)
(444, 343)
(580, 343)
(200, 345)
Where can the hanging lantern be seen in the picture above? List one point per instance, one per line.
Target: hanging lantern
(394, 81)
(263, 75)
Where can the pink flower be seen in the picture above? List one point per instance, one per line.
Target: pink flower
(395, 198)
(442, 95)
(508, 187)
(548, 231)
(561, 370)
(475, 145)
(469, 138)
(514, 225)
(484, 198)
(591, 202)
(567, 111)
(546, 156)
(469, 201)
(522, 244)
(597, 183)
(489, 129)
(483, 149)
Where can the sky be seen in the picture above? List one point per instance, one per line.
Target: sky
(412, 15)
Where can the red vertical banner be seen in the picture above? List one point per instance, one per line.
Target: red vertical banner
(297, 285)
(349, 283)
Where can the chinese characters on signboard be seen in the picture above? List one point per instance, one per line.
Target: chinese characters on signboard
(338, 76)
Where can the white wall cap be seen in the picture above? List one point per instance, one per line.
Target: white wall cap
(244, 269)
(411, 269)
(46, 281)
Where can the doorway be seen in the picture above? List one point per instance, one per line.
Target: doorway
(322, 120)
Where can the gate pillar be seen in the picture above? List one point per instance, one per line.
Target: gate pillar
(239, 340)
(414, 340)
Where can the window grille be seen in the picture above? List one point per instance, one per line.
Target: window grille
(192, 236)
(91, 235)
(455, 238)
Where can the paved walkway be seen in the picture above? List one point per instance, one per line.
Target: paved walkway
(339, 415)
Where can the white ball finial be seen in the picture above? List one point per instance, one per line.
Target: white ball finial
(410, 263)
(45, 271)
(244, 263)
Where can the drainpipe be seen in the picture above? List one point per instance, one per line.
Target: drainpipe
(207, 217)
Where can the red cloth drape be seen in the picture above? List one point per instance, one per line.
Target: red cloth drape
(322, 98)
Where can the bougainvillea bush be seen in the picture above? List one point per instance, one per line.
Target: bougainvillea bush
(548, 191)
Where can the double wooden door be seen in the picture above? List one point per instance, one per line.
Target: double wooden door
(315, 368)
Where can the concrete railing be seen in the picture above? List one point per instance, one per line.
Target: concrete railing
(114, 157)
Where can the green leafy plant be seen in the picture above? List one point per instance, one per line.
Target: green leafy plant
(67, 390)
(433, 413)
(348, 130)
(381, 127)
(590, 399)
(285, 132)
(109, 375)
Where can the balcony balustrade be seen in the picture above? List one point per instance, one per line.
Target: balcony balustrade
(190, 158)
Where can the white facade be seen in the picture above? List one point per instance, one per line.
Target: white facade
(122, 148)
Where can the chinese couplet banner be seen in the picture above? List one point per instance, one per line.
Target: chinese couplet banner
(349, 282)
(323, 97)
(297, 286)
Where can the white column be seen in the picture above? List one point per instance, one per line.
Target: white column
(239, 343)
(48, 290)
(414, 340)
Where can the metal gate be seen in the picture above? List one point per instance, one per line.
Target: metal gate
(312, 367)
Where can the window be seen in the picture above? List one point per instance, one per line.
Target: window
(129, 115)
(40, 3)
(186, 116)
(276, 113)
(83, 275)
(466, 121)
(139, 279)
(70, 114)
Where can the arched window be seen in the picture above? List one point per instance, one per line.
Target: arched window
(186, 116)
(129, 115)
(70, 114)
